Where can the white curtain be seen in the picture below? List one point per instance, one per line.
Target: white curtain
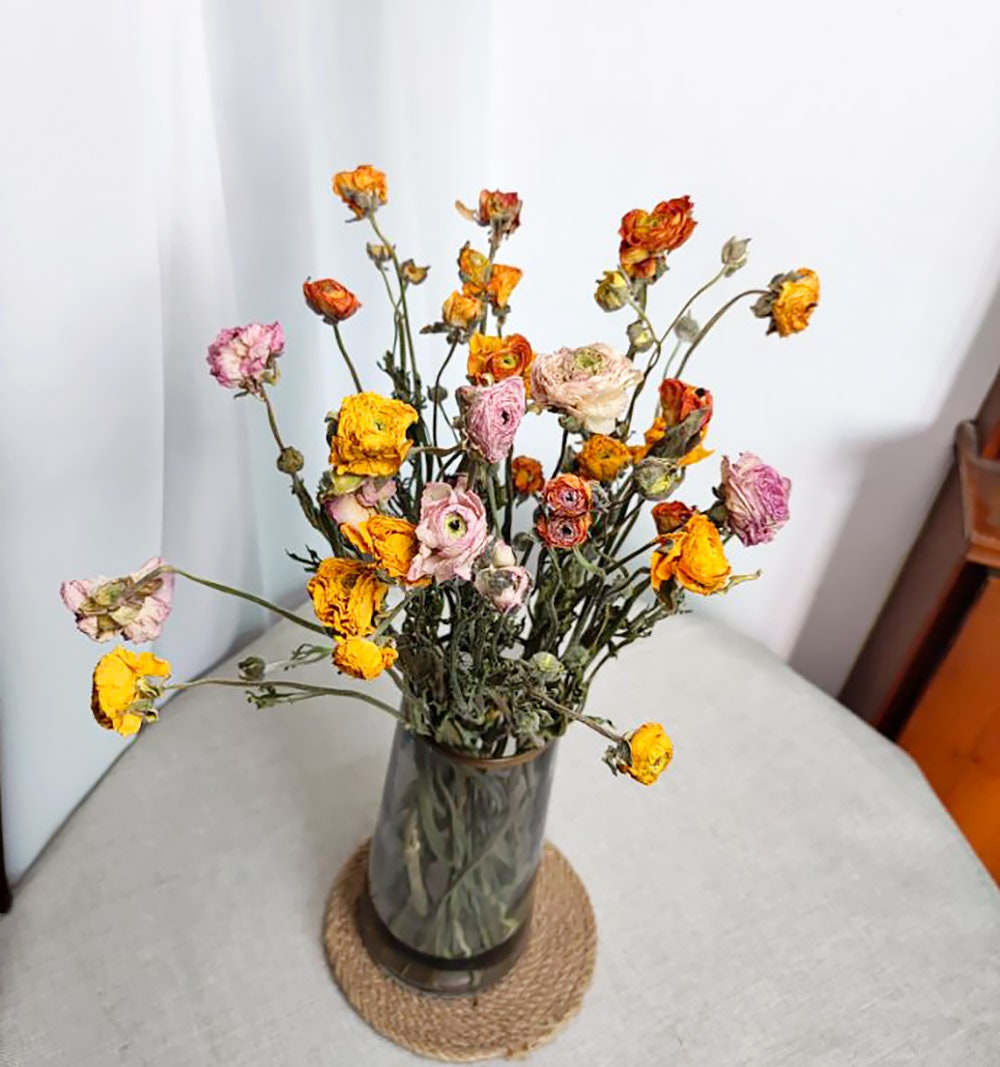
(166, 172)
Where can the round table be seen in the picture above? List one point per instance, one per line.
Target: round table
(790, 892)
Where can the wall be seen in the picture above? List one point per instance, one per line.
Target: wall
(167, 172)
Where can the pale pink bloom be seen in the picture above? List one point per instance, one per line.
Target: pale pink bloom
(452, 533)
(591, 383)
(242, 357)
(756, 497)
(506, 588)
(134, 607)
(491, 415)
(357, 506)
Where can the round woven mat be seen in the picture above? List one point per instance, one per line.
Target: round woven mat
(526, 1008)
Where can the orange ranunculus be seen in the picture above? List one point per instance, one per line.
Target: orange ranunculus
(500, 211)
(652, 436)
(460, 311)
(638, 263)
(678, 400)
(481, 279)
(347, 595)
(563, 531)
(567, 495)
(473, 267)
(491, 359)
(794, 302)
(330, 299)
(527, 475)
(362, 189)
(694, 557)
(371, 435)
(413, 274)
(502, 281)
(670, 515)
(391, 542)
(602, 458)
(650, 753)
(663, 229)
(361, 658)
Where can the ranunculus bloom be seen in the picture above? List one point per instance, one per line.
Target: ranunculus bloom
(678, 400)
(694, 557)
(359, 503)
(452, 533)
(391, 542)
(491, 416)
(371, 435)
(602, 458)
(567, 495)
(347, 595)
(591, 383)
(647, 236)
(363, 189)
(563, 531)
(123, 693)
(492, 359)
(527, 475)
(612, 291)
(330, 299)
(242, 357)
(503, 280)
(134, 607)
(756, 497)
(670, 515)
(500, 211)
(506, 588)
(790, 301)
(361, 658)
(651, 752)
(460, 311)
(412, 273)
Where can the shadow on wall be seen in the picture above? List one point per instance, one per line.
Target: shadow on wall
(867, 558)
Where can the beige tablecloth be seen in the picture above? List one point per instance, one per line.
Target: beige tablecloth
(790, 892)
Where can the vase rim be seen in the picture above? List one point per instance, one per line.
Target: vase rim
(486, 763)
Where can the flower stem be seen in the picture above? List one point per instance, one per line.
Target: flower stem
(437, 386)
(219, 587)
(712, 321)
(301, 687)
(347, 358)
(587, 720)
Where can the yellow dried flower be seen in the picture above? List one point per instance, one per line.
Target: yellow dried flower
(361, 658)
(122, 695)
(371, 435)
(651, 752)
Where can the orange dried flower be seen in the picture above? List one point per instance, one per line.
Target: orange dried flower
(694, 557)
(363, 189)
(563, 531)
(670, 515)
(330, 299)
(602, 458)
(527, 475)
(648, 236)
(567, 495)
(460, 311)
(491, 359)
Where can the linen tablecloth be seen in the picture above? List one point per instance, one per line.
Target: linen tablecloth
(790, 892)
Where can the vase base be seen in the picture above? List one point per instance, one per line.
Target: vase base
(445, 978)
(542, 990)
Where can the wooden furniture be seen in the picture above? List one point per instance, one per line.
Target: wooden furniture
(929, 674)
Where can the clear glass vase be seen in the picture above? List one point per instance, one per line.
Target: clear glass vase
(452, 866)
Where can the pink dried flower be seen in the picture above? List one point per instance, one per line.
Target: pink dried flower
(756, 497)
(590, 383)
(242, 357)
(452, 533)
(134, 607)
(360, 503)
(492, 414)
(506, 588)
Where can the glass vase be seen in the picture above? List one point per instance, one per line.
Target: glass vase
(452, 866)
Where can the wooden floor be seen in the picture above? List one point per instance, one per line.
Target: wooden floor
(954, 733)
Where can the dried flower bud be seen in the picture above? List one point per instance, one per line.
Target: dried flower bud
(612, 290)
(575, 657)
(412, 273)
(687, 328)
(437, 394)
(252, 669)
(570, 423)
(502, 555)
(640, 336)
(379, 253)
(547, 666)
(521, 542)
(657, 478)
(735, 254)
(290, 461)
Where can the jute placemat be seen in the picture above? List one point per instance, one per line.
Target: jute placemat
(525, 1009)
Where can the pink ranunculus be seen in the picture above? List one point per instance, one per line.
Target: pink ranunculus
(756, 497)
(452, 533)
(492, 414)
(242, 357)
(506, 588)
(134, 607)
(591, 383)
(360, 504)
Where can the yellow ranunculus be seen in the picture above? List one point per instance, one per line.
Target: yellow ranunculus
(361, 658)
(121, 694)
(371, 436)
(694, 556)
(347, 595)
(390, 541)
(602, 458)
(461, 311)
(651, 751)
(796, 299)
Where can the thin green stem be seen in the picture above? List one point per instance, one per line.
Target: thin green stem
(437, 387)
(347, 358)
(301, 687)
(680, 314)
(260, 601)
(703, 332)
